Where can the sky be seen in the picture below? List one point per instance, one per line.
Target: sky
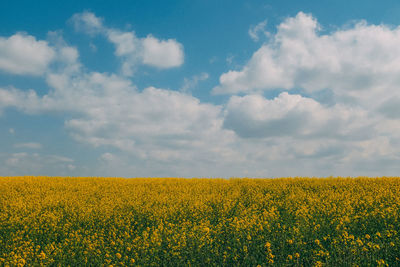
(200, 88)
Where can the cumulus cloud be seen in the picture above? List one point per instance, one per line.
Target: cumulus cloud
(148, 51)
(87, 22)
(162, 54)
(153, 124)
(347, 106)
(131, 49)
(292, 115)
(126, 43)
(22, 54)
(66, 58)
(127, 47)
(26, 101)
(351, 61)
(158, 132)
(328, 127)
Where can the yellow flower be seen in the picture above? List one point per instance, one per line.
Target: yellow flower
(42, 255)
(380, 262)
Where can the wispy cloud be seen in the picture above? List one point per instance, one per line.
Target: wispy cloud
(30, 145)
(190, 83)
(257, 30)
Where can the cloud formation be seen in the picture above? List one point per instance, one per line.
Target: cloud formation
(357, 62)
(26, 163)
(190, 83)
(161, 53)
(87, 22)
(22, 54)
(255, 31)
(253, 116)
(335, 107)
(156, 125)
(131, 49)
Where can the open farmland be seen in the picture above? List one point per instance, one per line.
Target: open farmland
(168, 221)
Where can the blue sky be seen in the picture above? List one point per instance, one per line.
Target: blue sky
(200, 88)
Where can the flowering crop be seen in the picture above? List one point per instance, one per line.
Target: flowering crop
(169, 221)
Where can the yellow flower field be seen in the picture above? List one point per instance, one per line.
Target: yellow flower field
(198, 222)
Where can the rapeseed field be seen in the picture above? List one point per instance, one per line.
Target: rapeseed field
(199, 222)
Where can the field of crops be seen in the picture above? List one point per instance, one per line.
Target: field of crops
(266, 222)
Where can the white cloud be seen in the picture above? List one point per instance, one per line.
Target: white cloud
(22, 54)
(87, 22)
(292, 115)
(71, 167)
(131, 49)
(155, 124)
(356, 63)
(66, 57)
(30, 145)
(107, 156)
(355, 74)
(126, 42)
(229, 59)
(149, 51)
(255, 31)
(128, 47)
(160, 132)
(162, 53)
(190, 83)
(24, 100)
(24, 163)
